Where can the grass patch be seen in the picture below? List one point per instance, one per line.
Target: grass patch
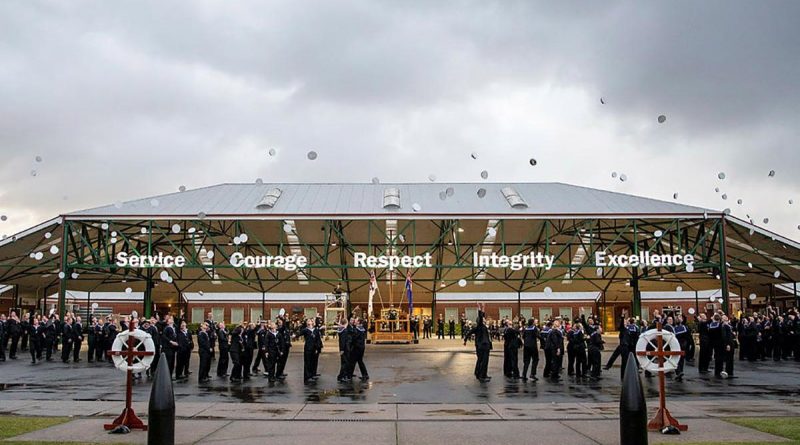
(788, 427)
(11, 426)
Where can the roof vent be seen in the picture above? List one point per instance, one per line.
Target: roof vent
(391, 198)
(269, 200)
(513, 198)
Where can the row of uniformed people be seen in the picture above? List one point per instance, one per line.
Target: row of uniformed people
(352, 337)
(771, 335)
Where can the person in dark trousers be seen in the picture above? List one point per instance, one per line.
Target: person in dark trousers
(704, 359)
(511, 344)
(184, 353)
(261, 342)
(683, 334)
(37, 334)
(483, 345)
(728, 349)
(212, 334)
(451, 329)
(548, 356)
(343, 333)
(555, 346)
(204, 350)
(77, 339)
(530, 351)
(25, 324)
(250, 346)
(285, 345)
(66, 339)
(623, 322)
(715, 334)
(149, 326)
(224, 350)
(273, 352)
(13, 332)
(311, 351)
(359, 347)
(628, 342)
(595, 351)
(92, 340)
(2, 337)
(169, 341)
(576, 353)
(237, 347)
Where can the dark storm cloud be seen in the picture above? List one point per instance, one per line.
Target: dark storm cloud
(136, 98)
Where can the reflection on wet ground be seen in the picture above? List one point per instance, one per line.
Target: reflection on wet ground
(399, 374)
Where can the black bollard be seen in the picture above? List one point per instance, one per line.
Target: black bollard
(161, 410)
(632, 407)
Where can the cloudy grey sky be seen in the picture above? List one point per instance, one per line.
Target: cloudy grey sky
(129, 99)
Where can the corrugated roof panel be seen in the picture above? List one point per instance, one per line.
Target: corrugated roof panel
(543, 199)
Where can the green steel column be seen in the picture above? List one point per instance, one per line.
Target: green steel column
(62, 290)
(147, 310)
(636, 305)
(796, 297)
(723, 267)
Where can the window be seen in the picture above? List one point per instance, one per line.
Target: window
(526, 312)
(505, 312)
(309, 312)
(255, 315)
(273, 313)
(645, 313)
(472, 313)
(197, 315)
(219, 314)
(565, 312)
(545, 314)
(237, 315)
(451, 313)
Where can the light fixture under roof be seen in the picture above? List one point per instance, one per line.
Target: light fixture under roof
(513, 198)
(391, 198)
(269, 199)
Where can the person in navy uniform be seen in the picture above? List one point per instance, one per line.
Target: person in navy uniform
(548, 358)
(530, 351)
(184, 352)
(576, 364)
(511, 344)
(704, 357)
(628, 342)
(555, 346)
(311, 351)
(683, 334)
(77, 339)
(250, 345)
(595, 351)
(37, 338)
(261, 342)
(169, 342)
(212, 333)
(224, 350)
(25, 328)
(618, 351)
(66, 338)
(728, 349)
(273, 352)
(149, 326)
(343, 333)
(285, 345)
(236, 351)
(13, 332)
(358, 345)
(2, 337)
(204, 350)
(483, 345)
(93, 339)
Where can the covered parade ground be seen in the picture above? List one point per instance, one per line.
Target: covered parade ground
(533, 249)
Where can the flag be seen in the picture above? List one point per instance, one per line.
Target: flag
(409, 294)
(373, 287)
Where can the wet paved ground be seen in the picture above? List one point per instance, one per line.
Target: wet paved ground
(432, 372)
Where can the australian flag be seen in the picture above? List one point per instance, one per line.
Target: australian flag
(409, 295)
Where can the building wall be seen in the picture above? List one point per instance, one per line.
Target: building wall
(536, 309)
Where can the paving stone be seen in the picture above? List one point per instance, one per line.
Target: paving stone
(248, 411)
(542, 411)
(91, 430)
(366, 411)
(700, 430)
(446, 412)
(487, 432)
(301, 431)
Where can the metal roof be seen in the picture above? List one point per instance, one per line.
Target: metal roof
(367, 200)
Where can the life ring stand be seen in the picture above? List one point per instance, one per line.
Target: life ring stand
(120, 344)
(650, 338)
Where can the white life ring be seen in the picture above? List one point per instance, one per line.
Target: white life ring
(650, 338)
(141, 363)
